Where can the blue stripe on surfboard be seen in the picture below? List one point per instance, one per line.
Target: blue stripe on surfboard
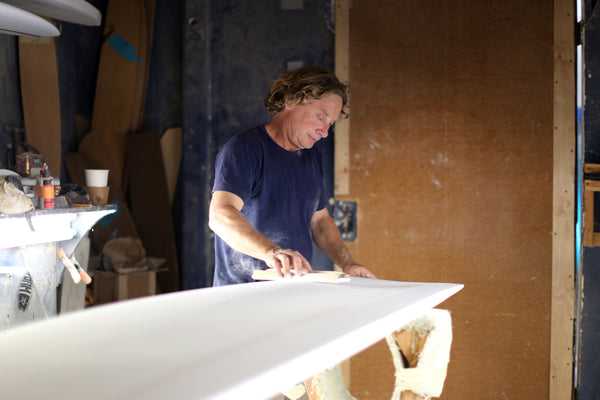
(123, 47)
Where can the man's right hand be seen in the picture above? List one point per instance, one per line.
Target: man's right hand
(287, 262)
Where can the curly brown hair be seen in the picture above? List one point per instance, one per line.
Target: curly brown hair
(308, 82)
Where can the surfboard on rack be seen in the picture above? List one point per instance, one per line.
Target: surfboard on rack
(120, 84)
(246, 341)
(10, 100)
(75, 11)
(15, 21)
(152, 214)
(145, 51)
(40, 98)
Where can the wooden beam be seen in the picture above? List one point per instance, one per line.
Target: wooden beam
(341, 155)
(564, 195)
(342, 71)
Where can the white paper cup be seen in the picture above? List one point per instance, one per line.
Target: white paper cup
(96, 177)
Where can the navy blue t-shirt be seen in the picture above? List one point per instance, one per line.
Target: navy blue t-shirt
(281, 191)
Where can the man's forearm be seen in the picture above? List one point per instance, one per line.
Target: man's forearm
(328, 239)
(228, 222)
(231, 226)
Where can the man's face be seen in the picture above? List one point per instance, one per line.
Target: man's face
(307, 124)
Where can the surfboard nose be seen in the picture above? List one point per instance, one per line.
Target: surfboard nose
(18, 22)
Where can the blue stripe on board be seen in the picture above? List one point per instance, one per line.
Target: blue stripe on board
(123, 47)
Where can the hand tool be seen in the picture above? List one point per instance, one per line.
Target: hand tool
(315, 276)
(77, 273)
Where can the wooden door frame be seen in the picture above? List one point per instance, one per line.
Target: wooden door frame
(564, 200)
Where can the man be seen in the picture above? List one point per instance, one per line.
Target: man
(268, 202)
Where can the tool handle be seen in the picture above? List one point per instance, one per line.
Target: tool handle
(69, 265)
(85, 277)
(73, 271)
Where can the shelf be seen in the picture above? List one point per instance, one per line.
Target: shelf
(65, 225)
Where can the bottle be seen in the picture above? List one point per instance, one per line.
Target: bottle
(46, 189)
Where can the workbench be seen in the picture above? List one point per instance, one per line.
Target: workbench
(28, 244)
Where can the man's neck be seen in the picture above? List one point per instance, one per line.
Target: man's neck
(276, 130)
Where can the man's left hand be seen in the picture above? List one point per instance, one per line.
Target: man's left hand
(359, 271)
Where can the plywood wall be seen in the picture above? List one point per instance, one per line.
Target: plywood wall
(451, 167)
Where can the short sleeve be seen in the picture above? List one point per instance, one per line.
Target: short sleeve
(236, 168)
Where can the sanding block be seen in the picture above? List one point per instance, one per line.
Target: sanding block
(315, 276)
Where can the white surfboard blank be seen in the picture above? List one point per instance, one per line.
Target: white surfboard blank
(76, 11)
(246, 341)
(15, 21)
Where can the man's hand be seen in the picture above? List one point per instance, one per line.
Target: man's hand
(284, 261)
(227, 221)
(327, 237)
(359, 271)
